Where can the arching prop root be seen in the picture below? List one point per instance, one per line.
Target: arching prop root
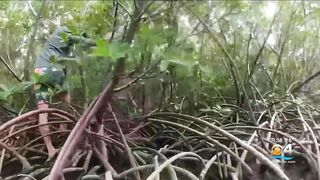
(16, 146)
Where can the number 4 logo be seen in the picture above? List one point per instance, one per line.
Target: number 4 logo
(288, 148)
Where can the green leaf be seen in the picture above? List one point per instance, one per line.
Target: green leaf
(75, 81)
(4, 95)
(102, 49)
(151, 36)
(73, 29)
(220, 81)
(64, 37)
(119, 50)
(181, 62)
(21, 87)
(53, 60)
(35, 77)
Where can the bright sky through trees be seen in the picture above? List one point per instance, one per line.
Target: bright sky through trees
(269, 11)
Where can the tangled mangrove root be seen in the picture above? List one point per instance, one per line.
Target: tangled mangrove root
(164, 145)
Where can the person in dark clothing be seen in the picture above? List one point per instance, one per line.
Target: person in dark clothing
(53, 74)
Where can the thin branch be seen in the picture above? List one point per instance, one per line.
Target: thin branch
(306, 81)
(283, 46)
(156, 12)
(120, 4)
(248, 51)
(8, 110)
(146, 7)
(115, 16)
(134, 80)
(124, 141)
(232, 67)
(261, 49)
(10, 69)
(32, 40)
(31, 9)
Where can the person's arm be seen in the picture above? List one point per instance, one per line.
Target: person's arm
(81, 40)
(77, 40)
(72, 39)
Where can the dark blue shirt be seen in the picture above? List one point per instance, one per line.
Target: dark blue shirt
(55, 46)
